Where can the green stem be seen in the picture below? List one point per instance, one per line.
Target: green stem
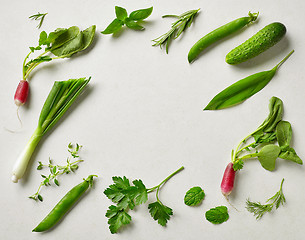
(251, 155)
(281, 62)
(162, 183)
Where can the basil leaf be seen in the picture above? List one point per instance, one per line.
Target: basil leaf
(134, 25)
(61, 36)
(268, 155)
(283, 133)
(140, 14)
(120, 13)
(291, 155)
(113, 27)
(217, 215)
(194, 196)
(241, 90)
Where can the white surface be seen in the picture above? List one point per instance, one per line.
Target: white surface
(142, 117)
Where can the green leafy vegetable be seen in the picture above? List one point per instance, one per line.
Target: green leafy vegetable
(132, 21)
(38, 17)
(184, 21)
(62, 43)
(194, 196)
(217, 215)
(263, 145)
(127, 196)
(243, 89)
(259, 209)
(60, 98)
(57, 170)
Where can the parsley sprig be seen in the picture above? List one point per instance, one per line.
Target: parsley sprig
(259, 209)
(57, 170)
(184, 21)
(128, 195)
(38, 17)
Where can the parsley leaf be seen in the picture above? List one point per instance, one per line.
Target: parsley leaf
(194, 196)
(217, 215)
(160, 212)
(117, 218)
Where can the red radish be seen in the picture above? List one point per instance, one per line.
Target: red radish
(227, 182)
(21, 93)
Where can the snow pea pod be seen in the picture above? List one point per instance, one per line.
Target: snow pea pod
(219, 34)
(63, 206)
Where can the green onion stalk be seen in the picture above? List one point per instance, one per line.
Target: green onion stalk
(60, 98)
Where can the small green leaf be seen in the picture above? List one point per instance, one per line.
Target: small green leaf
(160, 212)
(113, 27)
(39, 197)
(117, 218)
(120, 13)
(134, 25)
(54, 170)
(141, 14)
(56, 182)
(283, 133)
(43, 38)
(194, 196)
(268, 155)
(61, 36)
(290, 154)
(217, 215)
(141, 195)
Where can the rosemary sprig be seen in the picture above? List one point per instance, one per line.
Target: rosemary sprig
(184, 21)
(57, 170)
(259, 209)
(40, 17)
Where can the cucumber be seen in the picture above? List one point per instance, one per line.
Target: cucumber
(258, 43)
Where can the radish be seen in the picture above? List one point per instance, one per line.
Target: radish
(21, 93)
(227, 182)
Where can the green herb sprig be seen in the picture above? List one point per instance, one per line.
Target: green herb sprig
(259, 209)
(127, 196)
(38, 17)
(57, 170)
(132, 21)
(184, 21)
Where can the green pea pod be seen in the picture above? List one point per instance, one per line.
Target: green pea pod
(243, 89)
(219, 34)
(64, 205)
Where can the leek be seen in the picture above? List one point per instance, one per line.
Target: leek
(60, 98)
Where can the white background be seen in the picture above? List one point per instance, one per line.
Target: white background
(142, 117)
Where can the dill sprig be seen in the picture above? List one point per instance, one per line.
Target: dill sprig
(259, 209)
(184, 21)
(40, 17)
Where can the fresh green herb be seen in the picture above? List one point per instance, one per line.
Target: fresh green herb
(132, 21)
(57, 170)
(243, 89)
(217, 215)
(194, 196)
(60, 98)
(184, 21)
(259, 209)
(265, 136)
(64, 205)
(38, 17)
(128, 195)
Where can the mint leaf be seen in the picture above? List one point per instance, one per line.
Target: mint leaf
(217, 215)
(194, 196)
(160, 212)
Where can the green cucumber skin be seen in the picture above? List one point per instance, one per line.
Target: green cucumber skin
(258, 43)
